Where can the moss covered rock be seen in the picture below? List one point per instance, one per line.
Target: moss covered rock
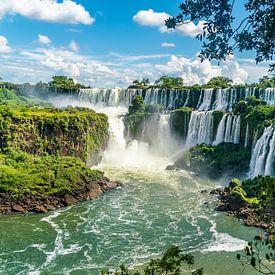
(226, 159)
(180, 119)
(77, 132)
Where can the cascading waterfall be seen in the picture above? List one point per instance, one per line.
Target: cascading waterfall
(167, 143)
(263, 155)
(206, 99)
(246, 136)
(200, 128)
(229, 129)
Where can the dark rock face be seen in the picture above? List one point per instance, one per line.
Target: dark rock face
(236, 207)
(45, 204)
(170, 168)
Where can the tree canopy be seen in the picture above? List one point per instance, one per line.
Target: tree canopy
(61, 82)
(223, 33)
(167, 82)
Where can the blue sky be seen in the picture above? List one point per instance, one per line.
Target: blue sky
(106, 43)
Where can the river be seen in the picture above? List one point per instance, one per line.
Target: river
(152, 210)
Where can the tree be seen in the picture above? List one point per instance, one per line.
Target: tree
(259, 255)
(167, 82)
(267, 82)
(171, 262)
(222, 33)
(60, 82)
(219, 82)
(143, 84)
(137, 105)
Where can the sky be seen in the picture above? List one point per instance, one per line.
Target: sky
(108, 43)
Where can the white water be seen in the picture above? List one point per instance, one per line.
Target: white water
(229, 129)
(263, 156)
(200, 128)
(209, 99)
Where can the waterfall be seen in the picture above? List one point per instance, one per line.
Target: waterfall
(246, 136)
(200, 128)
(221, 131)
(205, 100)
(229, 129)
(237, 129)
(268, 95)
(263, 155)
(166, 142)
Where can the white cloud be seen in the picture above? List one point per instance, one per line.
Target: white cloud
(66, 62)
(151, 18)
(168, 45)
(116, 69)
(190, 29)
(67, 11)
(74, 46)
(43, 39)
(157, 19)
(4, 45)
(193, 71)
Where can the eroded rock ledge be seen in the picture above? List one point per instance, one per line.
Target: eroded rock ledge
(263, 218)
(32, 204)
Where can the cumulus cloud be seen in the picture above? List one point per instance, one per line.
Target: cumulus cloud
(193, 71)
(74, 46)
(157, 19)
(43, 39)
(4, 45)
(66, 12)
(168, 45)
(58, 61)
(151, 18)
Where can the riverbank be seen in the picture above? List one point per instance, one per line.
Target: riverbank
(250, 215)
(33, 204)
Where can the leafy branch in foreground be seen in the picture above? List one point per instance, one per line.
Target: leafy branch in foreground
(170, 263)
(223, 33)
(260, 255)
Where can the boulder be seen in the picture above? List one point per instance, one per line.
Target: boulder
(70, 200)
(18, 208)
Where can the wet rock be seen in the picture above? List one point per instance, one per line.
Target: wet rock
(40, 209)
(203, 191)
(18, 208)
(170, 167)
(221, 207)
(235, 203)
(217, 191)
(70, 200)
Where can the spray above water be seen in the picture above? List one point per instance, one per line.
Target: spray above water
(136, 153)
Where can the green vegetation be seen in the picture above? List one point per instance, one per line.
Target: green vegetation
(43, 150)
(222, 35)
(180, 120)
(171, 262)
(261, 188)
(64, 83)
(219, 82)
(256, 114)
(138, 114)
(166, 82)
(143, 84)
(23, 174)
(267, 82)
(69, 132)
(214, 162)
(259, 254)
